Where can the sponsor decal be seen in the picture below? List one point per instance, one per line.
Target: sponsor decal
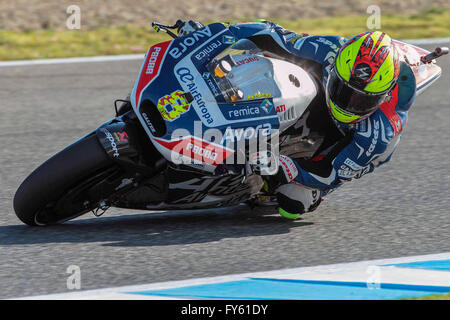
(208, 49)
(347, 174)
(280, 108)
(351, 164)
(259, 95)
(148, 122)
(247, 133)
(246, 60)
(228, 39)
(376, 131)
(151, 66)
(388, 108)
(188, 41)
(111, 139)
(197, 149)
(214, 89)
(289, 168)
(173, 106)
(121, 136)
(242, 112)
(349, 170)
(152, 60)
(184, 75)
(266, 105)
(202, 151)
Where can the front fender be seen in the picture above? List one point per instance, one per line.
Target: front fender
(119, 139)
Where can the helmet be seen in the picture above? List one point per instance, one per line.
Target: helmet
(365, 71)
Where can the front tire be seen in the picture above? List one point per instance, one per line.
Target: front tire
(52, 180)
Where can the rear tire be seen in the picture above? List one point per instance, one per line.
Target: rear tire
(51, 180)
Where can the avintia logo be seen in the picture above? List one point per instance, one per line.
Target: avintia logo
(189, 41)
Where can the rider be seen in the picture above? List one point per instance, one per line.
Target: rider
(364, 95)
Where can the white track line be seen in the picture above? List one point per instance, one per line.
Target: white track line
(140, 56)
(428, 41)
(304, 272)
(72, 60)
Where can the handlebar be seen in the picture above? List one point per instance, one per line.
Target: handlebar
(159, 26)
(439, 51)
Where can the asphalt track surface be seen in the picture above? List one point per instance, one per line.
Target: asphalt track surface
(401, 209)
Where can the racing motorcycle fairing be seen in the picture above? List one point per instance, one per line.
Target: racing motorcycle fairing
(207, 80)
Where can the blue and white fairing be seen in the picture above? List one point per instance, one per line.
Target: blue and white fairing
(210, 90)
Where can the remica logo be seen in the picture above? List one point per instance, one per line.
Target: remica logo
(245, 112)
(208, 49)
(189, 41)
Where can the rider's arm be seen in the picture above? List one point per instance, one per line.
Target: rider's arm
(371, 145)
(268, 36)
(339, 165)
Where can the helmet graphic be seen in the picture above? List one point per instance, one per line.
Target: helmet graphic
(366, 69)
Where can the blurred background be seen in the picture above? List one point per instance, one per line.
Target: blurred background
(33, 29)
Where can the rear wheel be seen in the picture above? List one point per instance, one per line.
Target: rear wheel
(56, 191)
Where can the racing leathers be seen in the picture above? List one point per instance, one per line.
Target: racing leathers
(341, 152)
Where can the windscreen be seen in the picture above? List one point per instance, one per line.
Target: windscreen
(242, 73)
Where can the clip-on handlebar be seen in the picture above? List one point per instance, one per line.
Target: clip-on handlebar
(439, 51)
(158, 27)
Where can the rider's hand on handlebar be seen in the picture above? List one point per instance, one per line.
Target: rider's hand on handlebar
(189, 27)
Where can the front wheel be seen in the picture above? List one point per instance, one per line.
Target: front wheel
(64, 176)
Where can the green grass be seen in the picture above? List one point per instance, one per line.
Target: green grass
(38, 44)
(445, 296)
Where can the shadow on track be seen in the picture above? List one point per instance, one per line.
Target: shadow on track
(155, 229)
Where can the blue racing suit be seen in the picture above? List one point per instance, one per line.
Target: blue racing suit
(348, 151)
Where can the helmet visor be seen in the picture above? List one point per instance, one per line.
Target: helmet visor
(351, 100)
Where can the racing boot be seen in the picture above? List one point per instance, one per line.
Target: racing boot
(294, 200)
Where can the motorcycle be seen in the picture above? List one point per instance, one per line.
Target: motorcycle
(207, 115)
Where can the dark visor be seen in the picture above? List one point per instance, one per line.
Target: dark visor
(351, 100)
